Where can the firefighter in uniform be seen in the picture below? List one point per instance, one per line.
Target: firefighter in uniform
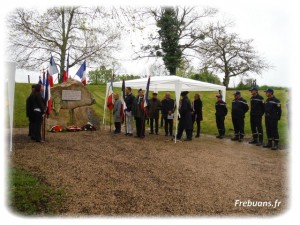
(221, 112)
(238, 110)
(272, 115)
(257, 109)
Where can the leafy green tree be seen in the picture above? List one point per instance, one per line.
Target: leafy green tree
(103, 75)
(206, 76)
(170, 36)
(100, 75)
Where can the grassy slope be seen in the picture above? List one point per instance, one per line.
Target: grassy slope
(29, 196)
(208, 125)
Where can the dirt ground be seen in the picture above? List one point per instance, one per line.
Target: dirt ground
(113, 175)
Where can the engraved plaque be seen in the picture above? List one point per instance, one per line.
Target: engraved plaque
(70, 95)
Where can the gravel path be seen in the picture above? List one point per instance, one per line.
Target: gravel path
(115, 175)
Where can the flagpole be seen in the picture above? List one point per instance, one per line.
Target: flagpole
(124, 108)
(44, 127)
(110, 120)
(125, 122)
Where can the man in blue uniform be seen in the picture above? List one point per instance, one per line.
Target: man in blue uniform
(238, 110)
(221, 112)
(272, 116)
(257, 109)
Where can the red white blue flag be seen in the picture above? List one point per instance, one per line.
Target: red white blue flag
(82, 73)
(47, 94)
(110, 98)
(52, 70)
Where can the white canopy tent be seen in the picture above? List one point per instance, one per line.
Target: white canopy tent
(168, 83)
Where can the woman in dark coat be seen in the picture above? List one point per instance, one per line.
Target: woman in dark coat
(185, 120)
(197, 112)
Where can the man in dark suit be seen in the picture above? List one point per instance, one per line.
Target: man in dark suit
(185, 120)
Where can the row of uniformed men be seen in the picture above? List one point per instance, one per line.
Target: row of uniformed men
(271, 108)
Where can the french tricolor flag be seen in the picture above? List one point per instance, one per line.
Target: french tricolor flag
(82, 73)
(110, 98)
(52, 70)
(47, 95)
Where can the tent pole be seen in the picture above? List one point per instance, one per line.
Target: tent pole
(104, 116)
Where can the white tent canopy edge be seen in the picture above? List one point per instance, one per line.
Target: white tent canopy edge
(168, 83)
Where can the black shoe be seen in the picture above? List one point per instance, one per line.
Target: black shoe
(240, 140)
(129, 134)
(269, 145)
(275, 145)
(259, 144)
(137, 136)
(151, 133)
(253, 141)
(126, 134)
(156, 133)
(167, 135)
(188, 139)
(198, 135)
(235, 138)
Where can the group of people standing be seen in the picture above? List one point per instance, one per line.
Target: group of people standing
(135, 109)
(35, 109)
(271, 108)
(191, 112)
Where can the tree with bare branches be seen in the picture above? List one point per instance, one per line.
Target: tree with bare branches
(86, 33)
(227, 53)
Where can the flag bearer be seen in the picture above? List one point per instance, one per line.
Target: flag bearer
(117, 112)
(129, 100)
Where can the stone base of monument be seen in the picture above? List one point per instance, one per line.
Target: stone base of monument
(72, 106)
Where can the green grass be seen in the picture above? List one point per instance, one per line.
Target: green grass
(208, 125)
(28, 195)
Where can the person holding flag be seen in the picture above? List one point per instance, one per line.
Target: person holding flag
(117, 112)
(82, 73)
(139, 114)
(129, 100)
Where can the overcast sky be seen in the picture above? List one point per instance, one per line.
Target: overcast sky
(267, 22)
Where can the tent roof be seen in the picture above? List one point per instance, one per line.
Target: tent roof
(169, 83)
